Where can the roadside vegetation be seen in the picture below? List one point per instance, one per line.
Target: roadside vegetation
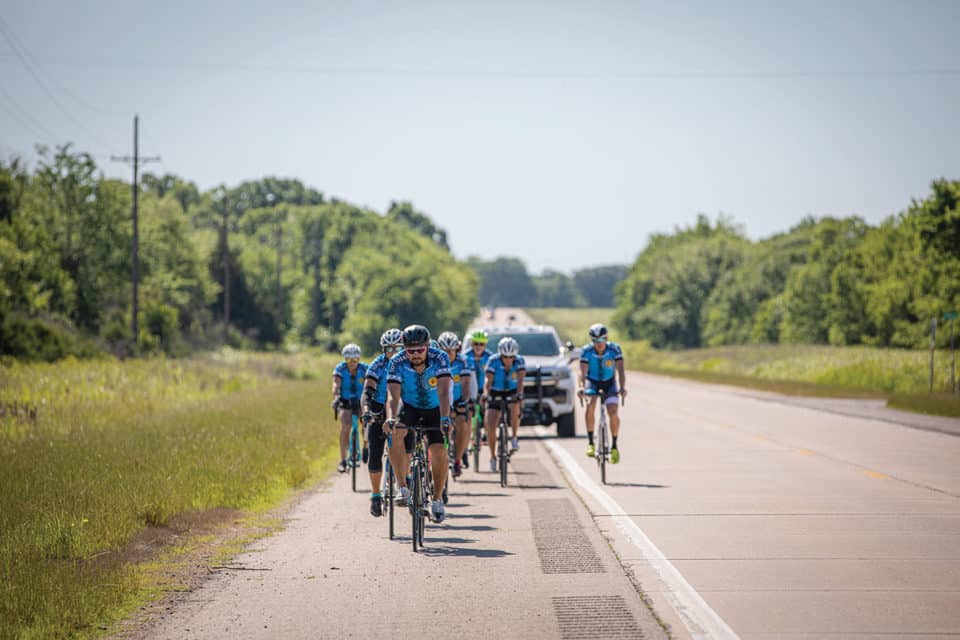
(95, 453)
(901, 376)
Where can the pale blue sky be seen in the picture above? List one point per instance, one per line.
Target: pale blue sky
(561, 132)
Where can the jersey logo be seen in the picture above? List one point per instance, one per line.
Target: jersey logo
(608, 363)
(432, 382)
(456, 378)
(513, 376)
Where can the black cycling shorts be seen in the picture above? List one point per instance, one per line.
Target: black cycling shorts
(376, 438)
(592, 387)
(493, 400)
(430, 418)
(349, 404)
(459, 408)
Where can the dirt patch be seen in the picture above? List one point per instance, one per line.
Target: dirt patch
(190, 549)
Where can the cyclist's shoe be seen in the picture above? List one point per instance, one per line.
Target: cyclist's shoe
(376, 506)
(466, 460)
(342, 467)
(365, 455)
(437, 512)
(614, 456)
(406, 498)
(514, 444)
(446, 498)
(457, 469)
(591, 451)
(493, 465)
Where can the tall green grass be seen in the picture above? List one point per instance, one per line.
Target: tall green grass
(113, 448)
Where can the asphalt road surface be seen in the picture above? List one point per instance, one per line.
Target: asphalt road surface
(736, 514)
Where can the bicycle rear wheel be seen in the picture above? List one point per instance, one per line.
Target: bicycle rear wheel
(391, 485)
(477, 439)
(502, 453)
(602, 454)
(417, 506)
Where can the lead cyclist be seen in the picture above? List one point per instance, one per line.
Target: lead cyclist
(601, 363)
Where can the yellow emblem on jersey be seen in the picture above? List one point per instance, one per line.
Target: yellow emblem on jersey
(608, 363)
(432, 382)
(514, 375)
(456, 377)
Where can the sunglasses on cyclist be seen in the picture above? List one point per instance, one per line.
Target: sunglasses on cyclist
(599, 340)
(416, 350)
(353, 360)
(479, 344)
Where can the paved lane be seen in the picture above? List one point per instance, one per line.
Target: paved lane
(785, 519)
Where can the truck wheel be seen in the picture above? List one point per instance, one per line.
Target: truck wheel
(567, 425)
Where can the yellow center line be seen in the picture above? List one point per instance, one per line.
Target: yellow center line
(805, 452)
(875, 474)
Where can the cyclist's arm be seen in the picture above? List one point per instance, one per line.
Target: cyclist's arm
(520, 376)
(337, 380)
(393, 399)
(583, 375)
(622, 374)
(443, 388)
(369, 390)
(489, 385)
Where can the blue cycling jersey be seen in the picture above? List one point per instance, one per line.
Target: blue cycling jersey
(503, 379)
(377, 371)
(479, 365)
(419, 390)
(351, 386)
(601, 367)
(460, 371)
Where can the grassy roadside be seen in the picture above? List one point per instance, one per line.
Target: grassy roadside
(95, 454)
(898, 375)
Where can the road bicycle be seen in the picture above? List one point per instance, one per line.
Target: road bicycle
(422, 484)
(389, 488)
(602, 453)
(353, 445)
(477, 434)
(503, 440)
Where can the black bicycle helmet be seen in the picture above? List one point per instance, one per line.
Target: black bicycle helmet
(598, 331)
(416, 335)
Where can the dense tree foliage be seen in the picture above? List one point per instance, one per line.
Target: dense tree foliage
(505, 282)
(828, 281)
(298, 267)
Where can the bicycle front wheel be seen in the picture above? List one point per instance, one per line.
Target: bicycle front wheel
(391, 485)
(417, 506)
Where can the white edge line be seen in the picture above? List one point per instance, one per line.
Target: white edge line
(699, 618)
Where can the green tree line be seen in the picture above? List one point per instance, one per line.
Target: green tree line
(296, 266)
(837, 281)
(505, 282)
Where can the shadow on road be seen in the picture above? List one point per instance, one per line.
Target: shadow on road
(475, 527)
(473, 516)
(537, 486)
(461, 552)
(638, 485)
(472, 494)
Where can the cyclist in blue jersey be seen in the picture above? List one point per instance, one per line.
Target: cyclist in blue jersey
(347, 386)
(374, 403)
(420, 377)
(601, 362)
(504, 378)
(477, 357)
(460, 373)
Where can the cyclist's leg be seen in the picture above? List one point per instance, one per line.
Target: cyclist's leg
(399, 458)
(462, 436)
(589, 416)
(493, 417)
(515, 418)
(346, 423)
(376, 440)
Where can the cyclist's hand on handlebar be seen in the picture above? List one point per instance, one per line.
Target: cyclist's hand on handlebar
(367, 416)
(445, 422)
(389, 425)
(335, 403)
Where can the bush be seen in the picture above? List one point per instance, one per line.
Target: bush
(41, 339)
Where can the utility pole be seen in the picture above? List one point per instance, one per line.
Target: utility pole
(136, 160)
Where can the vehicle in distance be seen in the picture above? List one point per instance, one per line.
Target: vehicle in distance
(549, 388)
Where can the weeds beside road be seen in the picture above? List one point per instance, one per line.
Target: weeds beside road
(93, 453)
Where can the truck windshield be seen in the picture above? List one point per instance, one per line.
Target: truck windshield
(531, 344)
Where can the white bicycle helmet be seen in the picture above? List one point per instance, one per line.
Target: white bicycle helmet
(448, 340)
(508, 347)
(351, 351)
(391, 338)
(598, 332)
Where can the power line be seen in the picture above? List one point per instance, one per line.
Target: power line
(26, 119)
(23, 54)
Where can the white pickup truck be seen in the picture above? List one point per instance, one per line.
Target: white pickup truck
(549, 388)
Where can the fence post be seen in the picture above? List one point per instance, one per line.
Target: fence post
(933, 345)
